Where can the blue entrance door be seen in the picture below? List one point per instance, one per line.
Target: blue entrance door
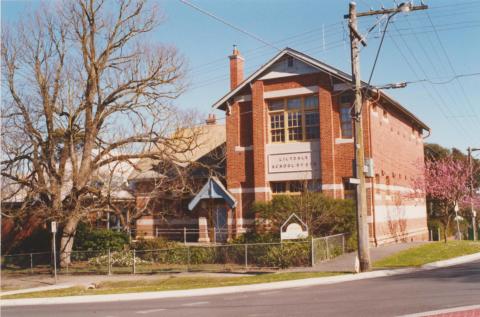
(221, 227)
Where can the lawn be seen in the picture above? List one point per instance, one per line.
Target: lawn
(428, 253)
(172, 283)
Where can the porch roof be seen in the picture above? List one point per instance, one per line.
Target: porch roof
(213, 189)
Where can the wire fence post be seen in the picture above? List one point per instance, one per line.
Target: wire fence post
(312, 251)
(438, 234)
(246, 256)
(134, 268)
(343, 243)
(214, 235)
(184, 235)
(328, 251)
(31, 263)
(188, 258)
(110, 262)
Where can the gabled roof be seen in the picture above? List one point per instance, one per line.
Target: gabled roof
(220, 104)
(213, 189)
(208, 137)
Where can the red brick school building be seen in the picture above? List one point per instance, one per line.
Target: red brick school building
(289, 124)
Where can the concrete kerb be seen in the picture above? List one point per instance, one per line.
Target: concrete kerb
(454, 261)
(235, 289)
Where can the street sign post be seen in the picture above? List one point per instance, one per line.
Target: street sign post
(54, 249)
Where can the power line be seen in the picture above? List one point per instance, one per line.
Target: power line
(213, 16)
(304, 34)
(458, 126)
(451, 65)
(445, 81)
(434, 67)
(313, 49)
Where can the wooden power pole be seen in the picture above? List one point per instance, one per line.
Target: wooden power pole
(472, 210)
(362, 222)
(355, 39)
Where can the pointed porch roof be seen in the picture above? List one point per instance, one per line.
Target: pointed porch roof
(213, 189)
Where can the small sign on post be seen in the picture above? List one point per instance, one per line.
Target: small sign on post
(293, 228)
(54, 247)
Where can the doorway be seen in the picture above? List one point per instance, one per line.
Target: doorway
(221, 226)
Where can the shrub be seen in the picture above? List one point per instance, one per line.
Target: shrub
(323, 215)
(154, 244)
(91, 239)
(203, 255)
(284, 255)
(118, 259)
(256, 237)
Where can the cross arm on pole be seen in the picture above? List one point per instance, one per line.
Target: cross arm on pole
(387, 11)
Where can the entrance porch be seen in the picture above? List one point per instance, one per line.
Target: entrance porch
(215, 208)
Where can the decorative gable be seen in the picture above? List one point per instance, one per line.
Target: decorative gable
(288, 66)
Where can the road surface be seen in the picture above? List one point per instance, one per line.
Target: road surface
(388, 296)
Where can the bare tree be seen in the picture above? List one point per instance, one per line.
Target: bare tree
(84, 87)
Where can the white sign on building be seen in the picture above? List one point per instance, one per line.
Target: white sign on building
(292, 162)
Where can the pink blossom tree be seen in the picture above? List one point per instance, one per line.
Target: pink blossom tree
(446, 184)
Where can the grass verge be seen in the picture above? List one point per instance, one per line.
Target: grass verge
(171, 283)
(427, 253)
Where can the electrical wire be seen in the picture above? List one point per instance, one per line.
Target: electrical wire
(213, 16)
(441, 105)
(451, 65)
(434, 66)
(445, 81)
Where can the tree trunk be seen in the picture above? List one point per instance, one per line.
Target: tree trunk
(66, 242)
(445, 233)
(445, 227)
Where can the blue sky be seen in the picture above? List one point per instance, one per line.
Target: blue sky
(434, 45)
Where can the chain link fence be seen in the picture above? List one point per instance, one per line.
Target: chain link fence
(189, 257)
(326, 248)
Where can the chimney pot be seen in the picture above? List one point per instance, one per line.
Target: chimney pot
(211, 120)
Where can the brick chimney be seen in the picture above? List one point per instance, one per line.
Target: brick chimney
(211, 120)
(236, 68)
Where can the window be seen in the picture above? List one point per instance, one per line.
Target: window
(294, 119)
(294, 103)
(346, 103)
(295, 187)
(349, 189)
(295, 126)
(311, 102)
(278, 187)
(312, 122)
(245, 125)
(277, 127)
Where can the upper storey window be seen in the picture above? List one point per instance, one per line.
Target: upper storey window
(294, 119)
(346, 103)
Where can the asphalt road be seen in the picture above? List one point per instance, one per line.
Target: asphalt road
(387, 296)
